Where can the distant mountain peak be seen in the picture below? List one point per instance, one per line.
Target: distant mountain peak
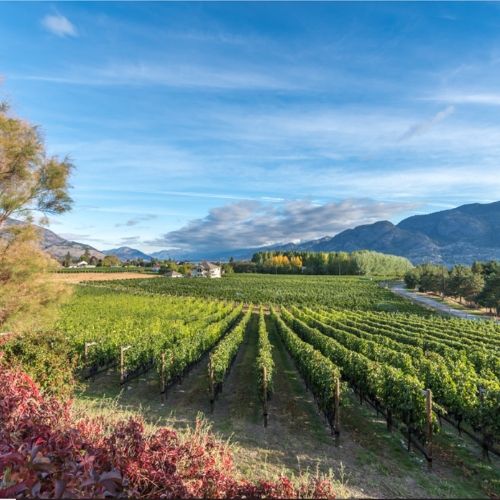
(58, 247)
(128, 253)
(459, 235)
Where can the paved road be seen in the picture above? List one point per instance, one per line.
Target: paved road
(400, 289)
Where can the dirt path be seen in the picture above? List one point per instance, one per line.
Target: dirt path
(400, 289)
(79, 277)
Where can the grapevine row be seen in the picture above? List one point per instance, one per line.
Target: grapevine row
(321, 375)
(225, 352)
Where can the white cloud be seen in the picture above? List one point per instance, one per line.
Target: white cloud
(59, 25)
(425, 126)
(252, 224)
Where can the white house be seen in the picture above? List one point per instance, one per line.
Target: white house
(173, 274)
(81, 265)
(206, 270)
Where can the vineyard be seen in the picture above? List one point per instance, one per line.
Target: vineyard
(416, 371)
(388, 358)
(344, 292)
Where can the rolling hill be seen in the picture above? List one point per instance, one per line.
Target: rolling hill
(127, 253)
(58, 247)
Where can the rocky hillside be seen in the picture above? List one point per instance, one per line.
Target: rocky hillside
(460, 235)
(58, 247)
(127, 253)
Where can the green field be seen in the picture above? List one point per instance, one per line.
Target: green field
(209, 354)
(331, 291)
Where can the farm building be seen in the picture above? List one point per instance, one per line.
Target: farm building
(206, 270)
(81, 265)
(173, 274)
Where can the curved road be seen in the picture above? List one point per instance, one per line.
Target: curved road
(400, 289)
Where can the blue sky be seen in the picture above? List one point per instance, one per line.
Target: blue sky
(229, 125)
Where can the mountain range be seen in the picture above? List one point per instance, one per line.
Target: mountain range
(127, 253)
(57, 246)
(456, 236)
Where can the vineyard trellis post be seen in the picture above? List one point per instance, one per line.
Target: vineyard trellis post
(86, 351)
(162, 372)
(337, 407)
(123, 349)
(211, 383)
(428, 408)
(264, 393)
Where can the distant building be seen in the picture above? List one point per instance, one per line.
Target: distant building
(155, 269)
(207, 270)
(173, 274)
(81, 265)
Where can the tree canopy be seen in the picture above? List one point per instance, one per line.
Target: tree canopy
(30, 181)
(362, 262)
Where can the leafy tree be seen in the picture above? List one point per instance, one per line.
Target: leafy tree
(472, 286)
(227, 268)
(86, 256)
(67, 260)
(433, 278)
(490, 294)
(29, 180)
(459, 282)
(477, 267)
(412, 278)
(111, 261)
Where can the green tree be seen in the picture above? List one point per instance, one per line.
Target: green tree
(490, 294)
(67, 260)
(459, 281)
(111, 261)
(433, 278)
(412, 278)
(472, 286)
(29, 180)
(86, 256)
(228, 268)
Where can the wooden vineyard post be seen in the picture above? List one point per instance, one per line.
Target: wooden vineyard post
(337, 407)
(211, 383)
(162, 373)
(172, 366)
(428, 408)
(122, 362)
(264, 395)
(86, 351)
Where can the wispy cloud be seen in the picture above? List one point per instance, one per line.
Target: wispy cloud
(254, 224)
(490, 99)
(137, 220)
(130, 240)
(425, 126)
(174, 74)
(59, 25)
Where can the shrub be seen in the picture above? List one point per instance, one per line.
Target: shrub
(46, 357)
(45, 452)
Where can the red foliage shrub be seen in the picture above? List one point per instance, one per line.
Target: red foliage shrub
(44, 452)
